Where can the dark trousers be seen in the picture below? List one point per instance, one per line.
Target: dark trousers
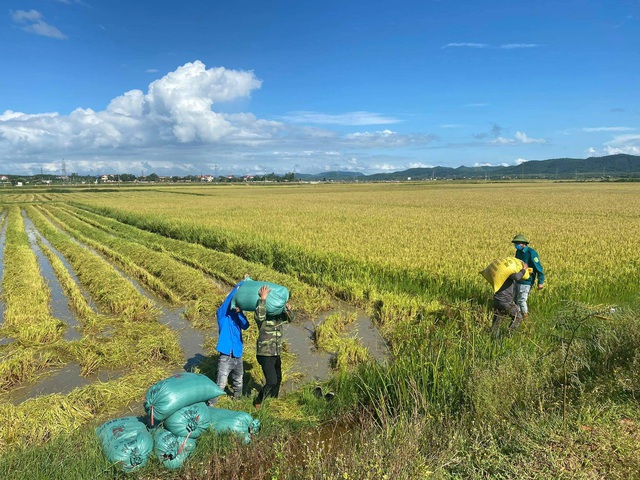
(272, 370)
(501, 311)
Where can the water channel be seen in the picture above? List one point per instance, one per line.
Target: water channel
(59, 303)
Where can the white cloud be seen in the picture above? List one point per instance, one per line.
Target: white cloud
(420, 165)
(388, 167)
(32, 21)
(519, 138)
(349, 118)
(174, 125)
(520, 161)
(511, 46)
(608, 129)
(178, 107)
(465, 44)
(629, 144)
(385, 138)
(523, 138)
(398, 167)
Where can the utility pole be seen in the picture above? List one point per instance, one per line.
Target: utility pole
(63, 169)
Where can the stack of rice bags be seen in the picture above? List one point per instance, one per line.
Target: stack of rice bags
(178, 415)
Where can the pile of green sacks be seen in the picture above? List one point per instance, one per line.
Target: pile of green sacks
(177, 416)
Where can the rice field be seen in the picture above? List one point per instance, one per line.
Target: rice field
(409, 254)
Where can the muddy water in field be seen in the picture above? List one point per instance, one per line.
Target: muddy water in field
(59, 303)
(61, 381)
(191, 339)
(313, 365)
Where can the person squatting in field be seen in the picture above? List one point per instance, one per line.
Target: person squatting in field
(269, 345)
(504, 305)
(529, 256)
(231, 322)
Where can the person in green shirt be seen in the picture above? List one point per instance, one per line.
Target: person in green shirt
(529, 256)
(269, 345)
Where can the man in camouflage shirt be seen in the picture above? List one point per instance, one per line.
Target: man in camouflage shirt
(269, 345)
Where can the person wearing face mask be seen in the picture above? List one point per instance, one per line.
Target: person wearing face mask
(529, 256)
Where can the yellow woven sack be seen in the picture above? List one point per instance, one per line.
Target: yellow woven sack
(500, 269)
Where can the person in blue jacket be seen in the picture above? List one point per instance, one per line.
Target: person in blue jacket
(231, 322)
(529, 256)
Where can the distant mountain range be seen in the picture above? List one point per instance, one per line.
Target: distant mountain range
(611, 166)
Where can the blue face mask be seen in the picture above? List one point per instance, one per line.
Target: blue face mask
(519, 247)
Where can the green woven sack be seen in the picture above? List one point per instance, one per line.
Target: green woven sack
(246, 298)
(240, 423)
(126, 442)
(178, 391)
(170, 449)
(189, 421)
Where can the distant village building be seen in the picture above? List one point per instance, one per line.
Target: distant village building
(206, 178)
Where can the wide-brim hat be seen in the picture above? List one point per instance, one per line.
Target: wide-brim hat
(520, 238)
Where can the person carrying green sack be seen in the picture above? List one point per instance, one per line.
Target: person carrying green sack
(231, 322)
(269, 345)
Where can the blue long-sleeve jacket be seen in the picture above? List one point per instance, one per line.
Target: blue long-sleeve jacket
(529, 256)
(230, 326)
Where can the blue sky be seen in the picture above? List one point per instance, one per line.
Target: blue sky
(250, 87)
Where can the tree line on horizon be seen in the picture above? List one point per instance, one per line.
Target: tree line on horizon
(611, 167)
